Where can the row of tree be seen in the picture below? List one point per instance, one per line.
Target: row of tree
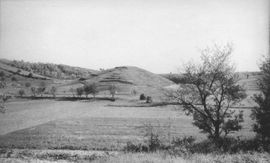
(93, 90)
(51, 70)
(40, 90)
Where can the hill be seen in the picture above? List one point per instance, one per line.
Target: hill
(57, 71)
(19, 72)
(247, 79)
(127, 79)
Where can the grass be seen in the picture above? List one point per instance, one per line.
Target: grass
(65, 156)
(48, 124)
(196, 158)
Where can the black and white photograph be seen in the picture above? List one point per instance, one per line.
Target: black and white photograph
(134, 81)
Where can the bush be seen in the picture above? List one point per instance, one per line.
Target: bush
(91, 89)
(27, 84)
(142, 97)
(34, 91)
(79, 91)
(21, 92)
(2, 74)
(53, 91)
(13, 78)
(149, 99)
(30, 75)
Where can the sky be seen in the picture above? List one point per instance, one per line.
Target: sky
(157, 35)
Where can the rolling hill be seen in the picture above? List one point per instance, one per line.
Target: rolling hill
(49, 70)
(126, 79)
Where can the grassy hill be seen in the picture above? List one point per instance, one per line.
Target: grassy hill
(126, 79)
(20, 72)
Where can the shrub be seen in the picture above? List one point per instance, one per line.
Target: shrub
(149, 99)
(34, 91)
(30, 75)
(21, 92)
(13, 78)
(91, 89)
(142, 97)
(2, 74)
(133, 92)
(53, 91)
(27, 84)
(112, 89)
(79, 91)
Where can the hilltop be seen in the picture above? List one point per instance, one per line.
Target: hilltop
(127, 79)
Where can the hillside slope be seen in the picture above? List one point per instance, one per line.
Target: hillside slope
(17, 71)
(127, 79)
(58, 71)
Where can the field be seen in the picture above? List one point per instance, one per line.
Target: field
(69, 128)
(49, 124)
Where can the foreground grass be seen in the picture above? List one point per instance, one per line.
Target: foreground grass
(66, 156)
(196, 158)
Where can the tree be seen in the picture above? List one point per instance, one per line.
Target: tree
(94, 89)
(41, 89)
(13, 78)
(53, 91)
(2, 74)
(79, 91)
(210, 91)
(27, 84)
(3, 100)
(34, 91)
(30, 75)
(3, 97)
(261, 113)
(87, 90)
(112, 89)
(72, 91)
(21, 92)
(91, 89)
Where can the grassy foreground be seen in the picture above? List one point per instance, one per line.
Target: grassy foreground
(66, 156)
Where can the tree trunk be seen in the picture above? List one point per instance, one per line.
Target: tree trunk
(216, 134)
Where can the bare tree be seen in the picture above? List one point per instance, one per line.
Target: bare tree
(87, 90)
(94, 89)
(210, 91)
(41, 89)
(34, 91)
(21, 92)
(53, 91)
(112, 89)
(79, 91)
(72, 91)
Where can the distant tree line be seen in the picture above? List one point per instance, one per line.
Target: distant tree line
(51, 70)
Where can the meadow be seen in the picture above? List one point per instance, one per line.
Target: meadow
(98, 125)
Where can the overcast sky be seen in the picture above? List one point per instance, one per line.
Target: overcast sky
(157, 35)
